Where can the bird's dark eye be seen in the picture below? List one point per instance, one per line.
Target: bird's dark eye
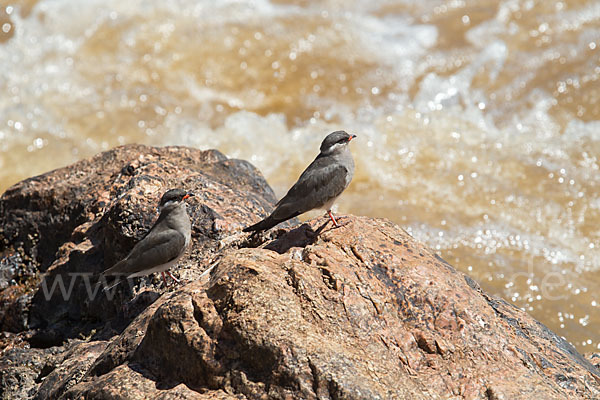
(343, 140)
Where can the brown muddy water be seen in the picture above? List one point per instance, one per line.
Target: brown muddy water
(478, 122)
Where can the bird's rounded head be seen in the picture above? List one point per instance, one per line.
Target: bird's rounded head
(335, 141)
(174, 196)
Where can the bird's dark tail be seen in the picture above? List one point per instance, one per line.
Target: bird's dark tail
(267, 223)
(106, 283)
(263, 225)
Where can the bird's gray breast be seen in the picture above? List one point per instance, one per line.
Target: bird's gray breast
(343, 164)
(331, 178)
(180, 221)
(348, 162)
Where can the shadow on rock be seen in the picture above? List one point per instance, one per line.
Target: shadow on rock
(302, 236)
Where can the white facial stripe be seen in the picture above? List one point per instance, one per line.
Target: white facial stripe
(335, 147)
(169, 203)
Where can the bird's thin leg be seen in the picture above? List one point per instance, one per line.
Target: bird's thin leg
(332, 218)
(172, 277)
(164, 279)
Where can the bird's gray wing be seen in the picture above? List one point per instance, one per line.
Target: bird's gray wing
(318, 184)
(155, 249)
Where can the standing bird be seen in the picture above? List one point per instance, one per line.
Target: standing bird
(163, 245)
(319, 185)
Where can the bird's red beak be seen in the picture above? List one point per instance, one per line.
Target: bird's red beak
(351, 137)
(187, 196)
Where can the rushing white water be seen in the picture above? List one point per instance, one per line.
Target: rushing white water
(478, 124)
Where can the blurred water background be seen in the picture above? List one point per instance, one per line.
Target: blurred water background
(478, 122)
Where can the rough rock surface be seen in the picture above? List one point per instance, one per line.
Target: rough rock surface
(358, 312)
(77, 221)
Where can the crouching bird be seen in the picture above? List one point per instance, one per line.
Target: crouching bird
(162, 246)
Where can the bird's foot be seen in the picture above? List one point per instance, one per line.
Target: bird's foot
(172, 277)
(337, 221)
(332, 218)
(340, 224)
(341, 218)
